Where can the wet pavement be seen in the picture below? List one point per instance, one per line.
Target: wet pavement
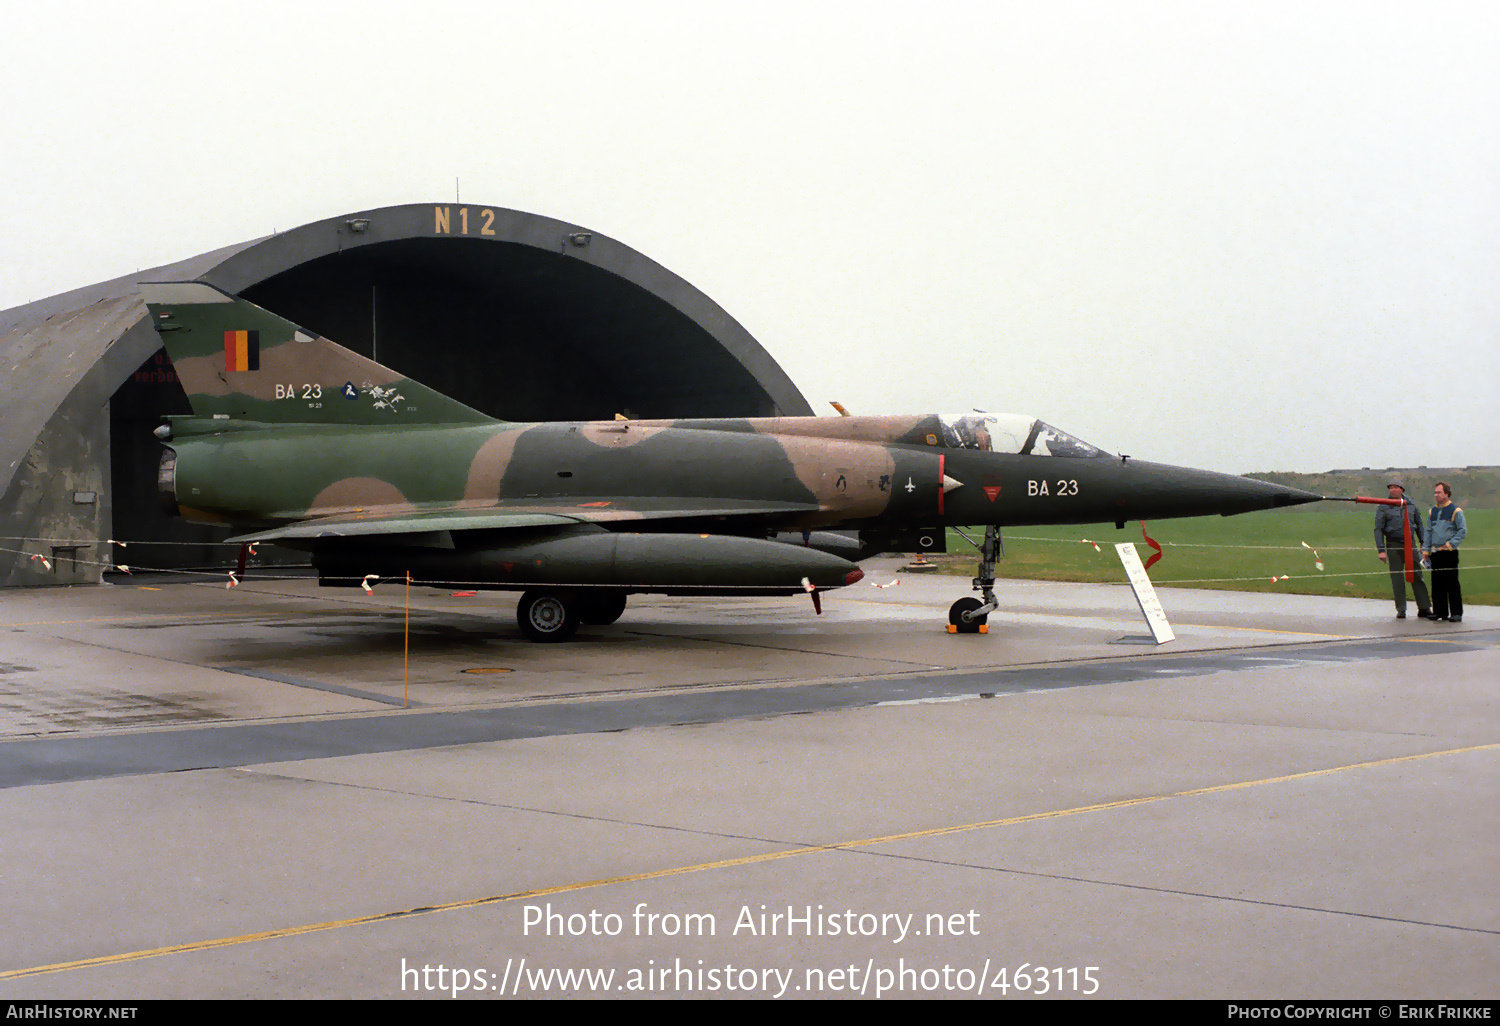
(259, 792)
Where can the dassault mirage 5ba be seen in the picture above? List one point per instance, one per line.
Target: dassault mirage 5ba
(298, 441)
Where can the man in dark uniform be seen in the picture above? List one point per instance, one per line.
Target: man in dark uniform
(1390, 545)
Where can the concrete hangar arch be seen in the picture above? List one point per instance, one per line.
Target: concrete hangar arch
(520, 316)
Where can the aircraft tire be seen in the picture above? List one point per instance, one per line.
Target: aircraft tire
(601, 608)
(964, 605)
(547, 616)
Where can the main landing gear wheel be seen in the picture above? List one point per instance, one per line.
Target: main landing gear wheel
(956, 617)
(547, 616)
(601, 608)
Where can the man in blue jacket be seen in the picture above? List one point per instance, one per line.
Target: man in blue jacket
(1390, 539)
(1446, 530)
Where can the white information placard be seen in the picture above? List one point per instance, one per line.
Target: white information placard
(1145, 594)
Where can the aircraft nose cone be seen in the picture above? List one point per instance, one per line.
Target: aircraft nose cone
(1165, 491)
(1278, 494)
(1286, 495)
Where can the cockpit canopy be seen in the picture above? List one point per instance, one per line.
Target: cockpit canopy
(1013, 433)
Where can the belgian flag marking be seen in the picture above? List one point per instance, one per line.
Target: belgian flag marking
(241, 350)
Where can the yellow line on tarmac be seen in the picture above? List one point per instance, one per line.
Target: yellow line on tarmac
(749, 860)
(1263, 630)
(177, 614)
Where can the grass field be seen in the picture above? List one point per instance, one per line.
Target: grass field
(1239, 553)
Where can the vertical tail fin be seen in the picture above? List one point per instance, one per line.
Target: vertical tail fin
(240, 361)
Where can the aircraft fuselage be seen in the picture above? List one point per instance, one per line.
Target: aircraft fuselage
(703, 470)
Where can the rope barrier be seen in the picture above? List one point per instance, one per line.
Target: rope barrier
(233, 574)
(107, 541)
(1298, 577)
(80, 542)
(1211, 545)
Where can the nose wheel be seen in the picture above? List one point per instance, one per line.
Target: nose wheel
(971, 615)
(963, 620)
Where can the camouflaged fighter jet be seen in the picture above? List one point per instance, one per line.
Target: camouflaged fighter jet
(300, 442)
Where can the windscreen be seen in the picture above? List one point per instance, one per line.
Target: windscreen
(1013, 433)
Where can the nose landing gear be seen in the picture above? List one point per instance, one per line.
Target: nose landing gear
(971, 615)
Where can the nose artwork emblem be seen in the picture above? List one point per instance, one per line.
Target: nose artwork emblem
(909, 486)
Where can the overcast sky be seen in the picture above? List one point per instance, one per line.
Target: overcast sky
(1259, 238)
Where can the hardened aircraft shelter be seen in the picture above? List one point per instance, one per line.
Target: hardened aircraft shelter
(520, 316)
